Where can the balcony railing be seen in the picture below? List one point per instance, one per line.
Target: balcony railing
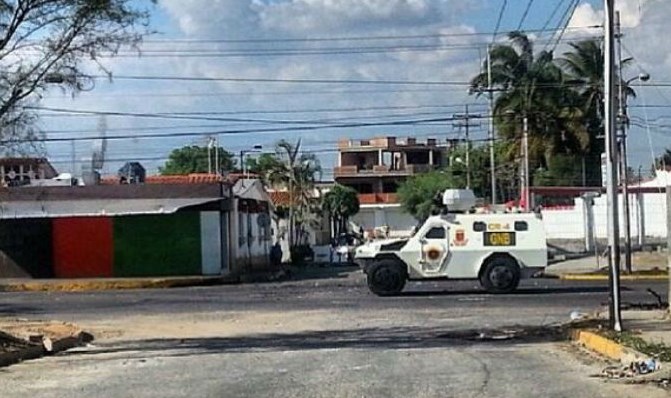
(347, 171)
(377, 198)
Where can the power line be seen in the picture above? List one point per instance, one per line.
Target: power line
(334, 39)
(269, 80)
(165, 116)
(570, 10)
(643, 70)
(552, 15)
(324, 110)
(270, 93)
(317, 151)
(500, 18)
(318, 81)
(524, 14)
(207, 53)
(324, 121)
(241, 131)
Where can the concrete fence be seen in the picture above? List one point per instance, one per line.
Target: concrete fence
(647, 218)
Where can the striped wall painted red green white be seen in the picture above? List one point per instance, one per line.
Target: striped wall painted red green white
(185, 243)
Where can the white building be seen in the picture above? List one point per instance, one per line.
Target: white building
(250, 226)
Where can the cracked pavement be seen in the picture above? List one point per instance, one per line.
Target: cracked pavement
(315, 338)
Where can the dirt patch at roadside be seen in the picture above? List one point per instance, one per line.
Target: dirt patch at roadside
(19, 334)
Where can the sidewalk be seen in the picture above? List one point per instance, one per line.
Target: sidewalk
(290, 274)
(85, 284)
(645, 265)
(652, 326)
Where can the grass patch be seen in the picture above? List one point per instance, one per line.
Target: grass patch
(660, 351)
(648, 272)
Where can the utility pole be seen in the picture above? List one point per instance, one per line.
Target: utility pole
(611, 172)
(73, 158)
(216, 156)
(492, 166)
(464, 122)
(524, 183)
(624, 166)
(668, 233)
(209, 155)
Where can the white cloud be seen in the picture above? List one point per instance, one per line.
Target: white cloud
(272, 19)
(328, 15)
(212, 18)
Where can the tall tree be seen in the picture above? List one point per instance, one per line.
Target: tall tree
(479, 168)
(194, 159)
(340, 203)
(268, 166)
(584, 67)
(532, 86)
(417, 193)
(47, 41)
(298, 173)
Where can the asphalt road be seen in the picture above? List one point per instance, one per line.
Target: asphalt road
(310, 338)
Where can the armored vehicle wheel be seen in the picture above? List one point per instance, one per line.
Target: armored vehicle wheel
(386, 277)
(500, 274)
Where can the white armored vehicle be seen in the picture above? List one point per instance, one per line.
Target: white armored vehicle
(498, 249)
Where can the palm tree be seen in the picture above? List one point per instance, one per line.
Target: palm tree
(340, 203)
(532, 86)
(297, 172)
(584, 67)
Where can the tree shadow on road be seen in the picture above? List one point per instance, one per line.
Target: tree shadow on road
(390, 338)
(16, 310)
(521, 291)
(338, 272)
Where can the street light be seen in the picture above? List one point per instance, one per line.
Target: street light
(623, 121)
(255, 148)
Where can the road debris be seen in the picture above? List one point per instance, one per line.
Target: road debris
(576, 315)
(635, 368)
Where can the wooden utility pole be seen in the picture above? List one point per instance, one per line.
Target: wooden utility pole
(611, 168)
(464, 121)
(624, 166)
(490, 135)
(526, 195)
(668, 235)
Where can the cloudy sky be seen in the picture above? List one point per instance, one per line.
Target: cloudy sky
(253, 72)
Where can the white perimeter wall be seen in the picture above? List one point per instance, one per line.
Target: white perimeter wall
(648, 210)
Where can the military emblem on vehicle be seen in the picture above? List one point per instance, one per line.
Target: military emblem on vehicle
(459, 238)
(433, 253)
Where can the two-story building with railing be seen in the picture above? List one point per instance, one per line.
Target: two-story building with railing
(375, 168)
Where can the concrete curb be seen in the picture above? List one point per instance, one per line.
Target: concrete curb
(109, 284)
(624, 355)
(592, 277)
(37, 350)
(604, 346)
(83, 285)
